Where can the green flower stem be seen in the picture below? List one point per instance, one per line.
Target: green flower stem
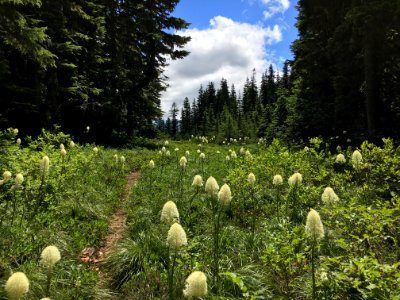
(171, 270)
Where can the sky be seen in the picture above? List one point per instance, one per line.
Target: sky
(229, 38)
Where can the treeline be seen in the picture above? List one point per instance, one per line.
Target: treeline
(345, 77)
(95, 63)
(225, 113)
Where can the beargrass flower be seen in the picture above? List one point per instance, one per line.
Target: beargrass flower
(45, 165)
(198, 151)
(225, 195)
(45, 299)
(187, 153)
(196, 285)
(329, 196)
(277, 180)
(122, 159)
(176, 149)
(71, 144)
(169, 213)
(227, 158)
(63, 152)
(183, 162)
(151, 164)
(167, 153)
(233, 154)
(116, 158)
(295, 180)
(18, 141)
(212, 186)
(340, 159)
(6, 177)
(166, 143)
(242, 151)
(95, 150)
(19, 179)
(251, 178)
(17, 286)
(356, 159)
(197, 181)
(314, 227)
(176, 236)
(62, 146)
(15, 131)
(202, 155)
(50, 256)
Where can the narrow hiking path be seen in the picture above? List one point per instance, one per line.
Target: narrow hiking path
(116, 232)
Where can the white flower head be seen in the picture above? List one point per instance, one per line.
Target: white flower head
(277, 180)
(197, 181)
(50, 256)
(169, 213)
(251, 178)
(212, 186)
(329, 196)
(314, 227)
(17, 286)
(225, 195)
(176, 236)
(196, 285)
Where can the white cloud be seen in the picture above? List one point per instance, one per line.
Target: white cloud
(227, 49)
(274, 7)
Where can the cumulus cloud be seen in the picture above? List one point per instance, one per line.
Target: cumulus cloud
(273, 7)
(227, 49)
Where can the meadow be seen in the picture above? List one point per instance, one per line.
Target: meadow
(238, 219)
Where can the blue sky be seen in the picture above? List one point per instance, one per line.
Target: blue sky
(229, 39)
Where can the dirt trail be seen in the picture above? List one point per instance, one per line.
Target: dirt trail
(116, 232)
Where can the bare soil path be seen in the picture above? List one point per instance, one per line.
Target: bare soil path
(116, 232)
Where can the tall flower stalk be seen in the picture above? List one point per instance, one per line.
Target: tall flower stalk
(315, 232)
(277, 181)
(176, 239)
(49, 257)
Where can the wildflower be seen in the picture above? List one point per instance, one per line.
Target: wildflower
(196, 285)
(122, 159)
(19, 179)
(251, 178)
(247, 154)
(197, 181)
(50, 256)
(62, 146)
(63, 152)
(212, 186)
(306, 149)
(340, 159)
(6, 177)
(242, 151)
(87, 129)
(187, 153)
(338, 148)
(18, 141)
(167, 153)
(45, 165)
(151, 164)
(202, 155)
(356, 159)
(166, 143)
(198, 151)
(224, 195)
(176, 236)
(169, 213)
(163, 150)
(176, 149)
(71, 144)
(95, 150)
(182, 162)
(15, 131)
(329, 196)
(17, 286)
(295, 179)
(278, 180)
(314, 227)
(116, 158)
(233, 154)
(227, 158)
